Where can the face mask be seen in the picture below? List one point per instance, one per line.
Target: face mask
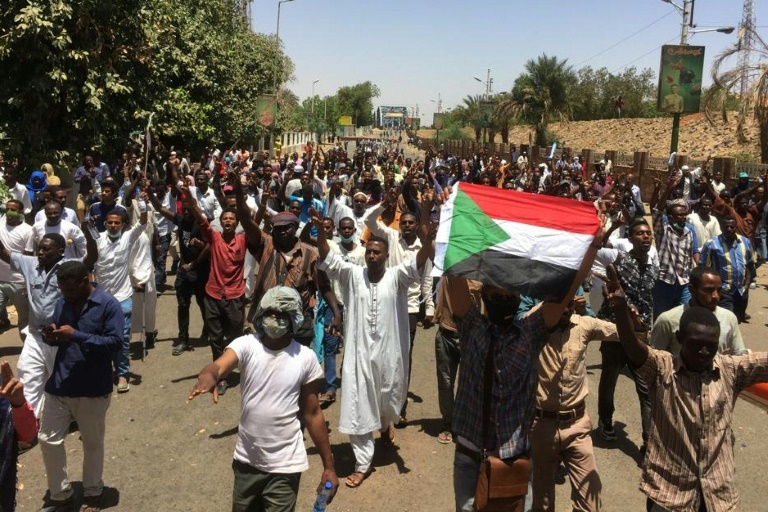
(275, 327)
(679, 225)
(13, 216)
(113, 236)
(347, 239)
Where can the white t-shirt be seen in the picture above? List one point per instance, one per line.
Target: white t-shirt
(269, 435)
(15, 239)
(76, 245)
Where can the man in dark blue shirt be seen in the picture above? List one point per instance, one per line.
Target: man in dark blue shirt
(88, 329)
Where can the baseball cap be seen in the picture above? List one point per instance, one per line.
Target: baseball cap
(743, 175)
(284, 219)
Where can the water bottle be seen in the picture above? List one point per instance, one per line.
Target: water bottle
(322, 498)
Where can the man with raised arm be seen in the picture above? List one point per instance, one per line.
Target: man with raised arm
(376, 334)
(689, 464)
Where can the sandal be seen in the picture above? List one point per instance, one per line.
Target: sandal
(445, 437)
(402, 422)
(388, 437)
(122, 385)
(356, 479)
(327, 398)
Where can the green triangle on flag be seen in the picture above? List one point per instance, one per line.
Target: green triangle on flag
(472, 231)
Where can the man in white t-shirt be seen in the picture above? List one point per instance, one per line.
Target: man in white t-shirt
(279, 379)
(55, 224)
(15, 236)
(704, 224)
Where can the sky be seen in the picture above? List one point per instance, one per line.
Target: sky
(416, 51)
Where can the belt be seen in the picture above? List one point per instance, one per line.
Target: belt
(570, 415)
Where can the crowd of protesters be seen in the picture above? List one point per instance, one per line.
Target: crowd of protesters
(293, 261)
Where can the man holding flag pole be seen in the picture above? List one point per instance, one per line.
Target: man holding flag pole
(514, 243)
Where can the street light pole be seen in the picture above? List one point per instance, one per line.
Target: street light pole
(277, 33)
(488, 81)
(313, 103)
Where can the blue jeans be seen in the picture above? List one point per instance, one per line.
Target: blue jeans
(667, 296)
(122, 357)
(162, 255)
(330, 349)
(465, 470)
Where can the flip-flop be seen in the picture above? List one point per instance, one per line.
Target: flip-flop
(353, 483)
(445, 437)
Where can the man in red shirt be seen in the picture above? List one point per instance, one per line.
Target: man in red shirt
(224, 302)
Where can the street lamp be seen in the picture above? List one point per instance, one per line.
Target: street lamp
(313, 101)
(488, 82)
(313, 97)
(279, 5)
(687, 28)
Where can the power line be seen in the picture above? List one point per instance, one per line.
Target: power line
(625, 39)
(646, 54)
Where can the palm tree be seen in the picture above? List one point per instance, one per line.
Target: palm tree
(543, 93)
(470, 115)
(753, 98)
(503, 115)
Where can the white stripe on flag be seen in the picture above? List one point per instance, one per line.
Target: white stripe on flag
(547, 245)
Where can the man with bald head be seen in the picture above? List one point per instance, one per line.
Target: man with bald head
(53, 223)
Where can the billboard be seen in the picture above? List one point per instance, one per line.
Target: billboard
(266, 110)
(345, 120)
(437, 121)
(680, 74)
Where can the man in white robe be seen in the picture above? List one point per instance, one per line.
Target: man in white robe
(376, 334)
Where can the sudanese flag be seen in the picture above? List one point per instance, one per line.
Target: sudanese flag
(530, 243)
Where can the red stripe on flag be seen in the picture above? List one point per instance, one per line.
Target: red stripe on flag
(535, 209)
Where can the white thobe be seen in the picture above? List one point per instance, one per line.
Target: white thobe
(377, 343)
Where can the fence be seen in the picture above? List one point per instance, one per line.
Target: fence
(641, 163)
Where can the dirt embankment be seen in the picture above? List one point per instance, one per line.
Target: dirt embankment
(698, 137)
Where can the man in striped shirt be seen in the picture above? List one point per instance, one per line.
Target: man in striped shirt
(734, 259)
(689, 464)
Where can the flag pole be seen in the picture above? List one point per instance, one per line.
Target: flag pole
(147, 142)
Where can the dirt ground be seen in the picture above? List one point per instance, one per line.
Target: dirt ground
(164, 453)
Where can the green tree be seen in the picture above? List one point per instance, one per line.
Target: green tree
(595, 91)
(357, 101)
(543, 93)
(84, 74)
(470, 114)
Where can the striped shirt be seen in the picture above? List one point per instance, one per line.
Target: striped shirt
(730, 260)
(514, 384)
(675, 251)
(690, 453)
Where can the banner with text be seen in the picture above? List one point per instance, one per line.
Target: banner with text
(680, 75)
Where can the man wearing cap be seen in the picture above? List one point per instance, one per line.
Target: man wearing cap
(284, 260)
(279, 392)
(294, 180)
(742, 185)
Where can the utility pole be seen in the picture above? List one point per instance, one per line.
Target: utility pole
(684, 26)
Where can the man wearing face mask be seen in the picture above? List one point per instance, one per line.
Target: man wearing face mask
(679, 252)
(108, 256)
(279, 381)
(516, 347)
(15, 235)
(55, 224)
